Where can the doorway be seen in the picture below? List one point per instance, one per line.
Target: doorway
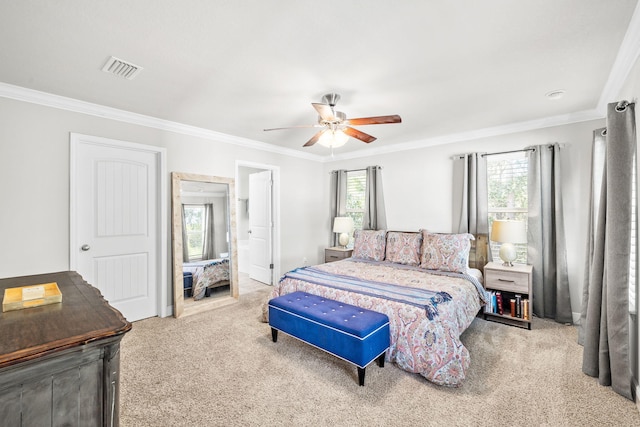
(258, 242)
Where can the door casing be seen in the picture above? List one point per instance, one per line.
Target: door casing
(275, 204)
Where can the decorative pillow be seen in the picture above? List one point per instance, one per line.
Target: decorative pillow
(446, 252)
(369, 244)
(403, 248)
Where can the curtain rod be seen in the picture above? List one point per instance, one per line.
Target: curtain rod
(622, 105)
(508, 152)
(461, 156)
(355, 170)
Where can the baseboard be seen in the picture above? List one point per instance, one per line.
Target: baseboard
(169, 311)
(638, 397)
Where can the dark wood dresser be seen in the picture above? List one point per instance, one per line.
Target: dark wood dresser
(60, 363)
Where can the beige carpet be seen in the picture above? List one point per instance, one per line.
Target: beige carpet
(221, 369)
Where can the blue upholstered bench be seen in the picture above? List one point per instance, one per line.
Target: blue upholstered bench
(187, 280)
(354, 334)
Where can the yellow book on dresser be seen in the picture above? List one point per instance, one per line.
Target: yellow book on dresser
(31, 296)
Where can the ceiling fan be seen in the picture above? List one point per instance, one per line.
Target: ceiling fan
(336, 127)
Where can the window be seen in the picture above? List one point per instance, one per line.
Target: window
(356, 187)
(507, 193)
(194, 226)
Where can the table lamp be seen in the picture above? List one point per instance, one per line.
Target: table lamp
(343, 225)
(508, 232)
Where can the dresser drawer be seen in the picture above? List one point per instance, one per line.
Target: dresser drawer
(331, 255)
(507, 281)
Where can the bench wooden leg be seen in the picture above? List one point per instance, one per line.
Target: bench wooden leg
(274, 335)
(361, 372)
(381, 360)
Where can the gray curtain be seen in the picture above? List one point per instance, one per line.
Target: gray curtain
(208, 246)
(338, 201)
(375, 215)
(546, 248)
(185, 239)
(604, 326)
(471, 204)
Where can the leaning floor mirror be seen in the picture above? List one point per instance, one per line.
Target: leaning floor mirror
(205, 266)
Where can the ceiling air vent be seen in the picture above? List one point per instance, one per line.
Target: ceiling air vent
(121, 68)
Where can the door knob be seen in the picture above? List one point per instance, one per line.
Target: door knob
(85, 247)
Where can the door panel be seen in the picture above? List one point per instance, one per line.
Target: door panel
(121, 198)
(124, 277)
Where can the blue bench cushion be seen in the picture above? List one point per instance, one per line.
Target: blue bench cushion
(187, 279)
(352, 333)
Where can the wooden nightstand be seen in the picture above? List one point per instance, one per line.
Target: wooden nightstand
(336, 253)
(513, 284)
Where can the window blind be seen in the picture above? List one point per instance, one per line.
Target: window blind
(507, 176)
(356, 187)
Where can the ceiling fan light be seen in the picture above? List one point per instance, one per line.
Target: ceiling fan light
(333, 138)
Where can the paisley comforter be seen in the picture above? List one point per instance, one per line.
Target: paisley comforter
(207, 274)
(428, 310)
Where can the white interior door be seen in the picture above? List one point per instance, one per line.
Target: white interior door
(260, 227)
(114, 238)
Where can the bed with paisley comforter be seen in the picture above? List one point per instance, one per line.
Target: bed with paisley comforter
(428, 308)
(209, 273)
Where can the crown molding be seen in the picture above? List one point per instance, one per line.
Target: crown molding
(625, 60)
(70, 104)
(559, 120)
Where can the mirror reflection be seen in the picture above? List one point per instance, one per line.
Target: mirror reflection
(203, 242)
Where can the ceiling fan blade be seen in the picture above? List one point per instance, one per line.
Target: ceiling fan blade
(379, 120)
(325, 111)
(295, 127)
(355, 133)
(314, 138)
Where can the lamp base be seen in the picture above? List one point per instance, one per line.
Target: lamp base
(508, 254)
(343, 239)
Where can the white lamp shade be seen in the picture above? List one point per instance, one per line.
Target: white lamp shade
(333, 138)
(342, 224)
(505, 231)
(508, 233)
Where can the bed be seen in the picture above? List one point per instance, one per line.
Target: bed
(421, 281)
(207, 274)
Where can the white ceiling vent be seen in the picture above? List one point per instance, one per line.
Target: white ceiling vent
(121, 68)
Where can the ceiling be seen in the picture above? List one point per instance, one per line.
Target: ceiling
(237, 67)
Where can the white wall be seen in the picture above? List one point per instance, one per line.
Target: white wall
(34, 172)
(34, 180)
(418, 185)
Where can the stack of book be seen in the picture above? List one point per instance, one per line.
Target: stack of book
(518, 307)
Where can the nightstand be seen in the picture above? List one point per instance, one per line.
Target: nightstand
(513, 286)
(336, 253)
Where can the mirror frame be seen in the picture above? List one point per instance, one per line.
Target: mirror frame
(179, 308)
